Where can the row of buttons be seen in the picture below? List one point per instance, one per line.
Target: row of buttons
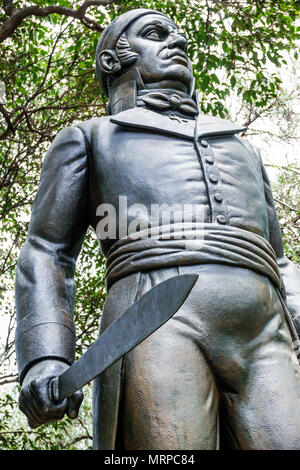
(214, 179)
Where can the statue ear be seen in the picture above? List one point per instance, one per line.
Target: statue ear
(109, 62)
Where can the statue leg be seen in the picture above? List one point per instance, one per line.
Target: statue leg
(243, 334)
(264, 413)
(170, 400)
(231, 331)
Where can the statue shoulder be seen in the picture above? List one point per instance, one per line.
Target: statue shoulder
(89, 127)
(252, 149)
(72, 145)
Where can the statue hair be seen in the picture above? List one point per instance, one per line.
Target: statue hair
(123, 51)
(125, 56)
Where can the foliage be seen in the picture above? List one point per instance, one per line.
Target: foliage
(47, 67)
(59, 435)
(287, 199)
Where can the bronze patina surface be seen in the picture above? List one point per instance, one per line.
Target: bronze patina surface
(222, 372)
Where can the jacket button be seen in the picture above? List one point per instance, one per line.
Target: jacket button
(218, 197)
(221, 219)
(204, 143)
(209, 159)
(213, 178)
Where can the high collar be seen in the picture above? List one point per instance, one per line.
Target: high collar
(128, 91)
(144, 119)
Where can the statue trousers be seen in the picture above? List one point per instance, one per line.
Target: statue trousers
(221, 373)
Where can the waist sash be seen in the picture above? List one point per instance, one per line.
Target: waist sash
(186, 244)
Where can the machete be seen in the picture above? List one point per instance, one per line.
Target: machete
(144, 316)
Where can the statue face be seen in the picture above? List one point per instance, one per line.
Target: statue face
(162, 50)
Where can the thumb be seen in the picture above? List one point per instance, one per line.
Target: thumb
(74, 402)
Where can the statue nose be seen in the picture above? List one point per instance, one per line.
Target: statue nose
(176, 40)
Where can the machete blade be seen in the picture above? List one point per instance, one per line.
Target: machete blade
(141, 319)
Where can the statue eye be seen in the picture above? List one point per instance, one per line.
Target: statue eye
(154, 34)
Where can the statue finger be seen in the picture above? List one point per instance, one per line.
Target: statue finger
(40, 389)
(27, 402)
(50, 408)
(27, 406)
(35, 402)
(74, 403)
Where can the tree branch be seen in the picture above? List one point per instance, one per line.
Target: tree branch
(5, 114)
(8, 380)
(8, 7)
(285, 205)
(286, 168)
(77, 439)
(17, 16)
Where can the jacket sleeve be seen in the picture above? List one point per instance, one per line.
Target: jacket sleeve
(45, 288)
(290, 273)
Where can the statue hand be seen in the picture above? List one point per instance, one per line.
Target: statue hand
(35, 399)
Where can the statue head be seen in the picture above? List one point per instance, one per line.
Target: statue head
(142, 48)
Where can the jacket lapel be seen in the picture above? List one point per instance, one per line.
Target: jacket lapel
(141, 118)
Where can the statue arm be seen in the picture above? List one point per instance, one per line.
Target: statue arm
(45, 288)
(290, 273)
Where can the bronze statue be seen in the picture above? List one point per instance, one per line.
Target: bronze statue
(222, 371)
